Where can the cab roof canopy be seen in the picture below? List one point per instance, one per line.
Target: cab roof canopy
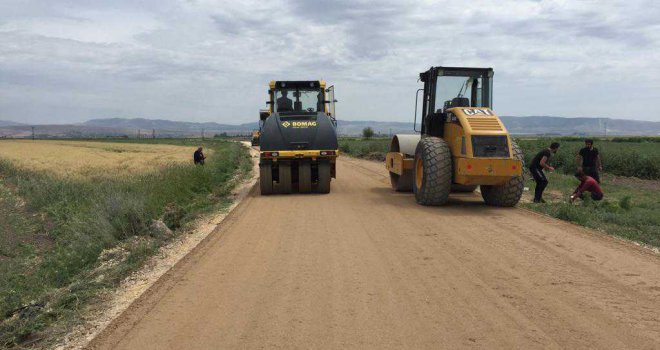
(456, 72)
(297, 84)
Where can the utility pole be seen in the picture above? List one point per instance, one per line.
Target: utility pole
(153, 133)
(202, 133)
(138, 134)
(33, 133)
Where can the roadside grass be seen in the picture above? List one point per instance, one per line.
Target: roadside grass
(626, 211)
(65, 240)
(373, 149)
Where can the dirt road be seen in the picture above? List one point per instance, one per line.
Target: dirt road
(364, 267)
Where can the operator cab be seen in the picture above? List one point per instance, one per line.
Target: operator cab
(464, 88)
(299, 98)
(450, 87)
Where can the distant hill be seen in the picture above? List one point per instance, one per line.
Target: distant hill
(162, 124)
(533, 125)
(8, 123)
(579, 126)
(123, 127)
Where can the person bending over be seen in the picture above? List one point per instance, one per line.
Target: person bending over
(587, 184)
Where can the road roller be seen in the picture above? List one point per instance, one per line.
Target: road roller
(461, 143)
(298, 138)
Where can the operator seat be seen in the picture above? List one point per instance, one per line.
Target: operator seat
(460, 102)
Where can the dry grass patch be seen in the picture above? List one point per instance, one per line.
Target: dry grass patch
(90, 158)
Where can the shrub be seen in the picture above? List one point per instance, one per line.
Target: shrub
(367, 132)
(625, 203)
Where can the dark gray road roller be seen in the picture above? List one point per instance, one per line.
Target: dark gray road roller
(298, 138)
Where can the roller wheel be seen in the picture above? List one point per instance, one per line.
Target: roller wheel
(509, 194)
(266, 178)
(285, 178)
(432, 172)
(463, 188)
(402, 183)
(305, 177)
(324, 177)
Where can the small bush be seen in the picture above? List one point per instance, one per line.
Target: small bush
(367, 132)
(625, 203)
(173, 216)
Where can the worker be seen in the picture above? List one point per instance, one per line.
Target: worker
(588, 160)
(587, 184)
(540, 163)
(198, 156)
(284, 104)
(320, 101)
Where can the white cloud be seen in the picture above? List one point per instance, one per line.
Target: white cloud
(212, 60)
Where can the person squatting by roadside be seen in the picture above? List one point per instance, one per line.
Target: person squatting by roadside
(589, 161)
(198, 157)
(536, 167)
(587, 184)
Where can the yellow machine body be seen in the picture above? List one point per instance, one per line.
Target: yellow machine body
(462, 123)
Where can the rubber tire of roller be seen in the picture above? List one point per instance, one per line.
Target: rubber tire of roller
(285, 178)
(324, 177)
(266, 178)
(437, 172)
(507, 195)
(305, 177)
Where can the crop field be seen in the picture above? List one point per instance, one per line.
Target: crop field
(64, 205)
(623, 157)
(89, 158)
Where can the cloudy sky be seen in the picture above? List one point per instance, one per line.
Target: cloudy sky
(204, 60)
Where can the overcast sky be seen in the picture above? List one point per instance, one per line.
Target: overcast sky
(70, 61)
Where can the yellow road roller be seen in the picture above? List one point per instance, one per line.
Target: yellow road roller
(461, 144)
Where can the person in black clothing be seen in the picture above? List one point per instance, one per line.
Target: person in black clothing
(198, 157)
(539, 163)
(284, 104)
(320, 102)
(588, 160)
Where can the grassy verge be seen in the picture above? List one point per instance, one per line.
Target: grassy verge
(373, 149)
(64, 240)
(629, 210)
